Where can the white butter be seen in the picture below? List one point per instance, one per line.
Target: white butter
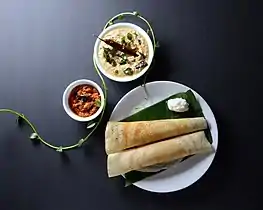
(178, 105)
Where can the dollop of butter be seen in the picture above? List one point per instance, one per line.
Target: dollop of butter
(178, 105)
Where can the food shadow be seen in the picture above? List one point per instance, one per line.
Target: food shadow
(212, 183)
(179, 167)
(65, 158)
(90, 146)
(163, 66)
(118, 89)
(161, 69)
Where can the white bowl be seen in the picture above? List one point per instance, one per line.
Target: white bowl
(142, 33)
(66, 97)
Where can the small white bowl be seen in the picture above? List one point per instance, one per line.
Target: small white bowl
(66, 97)
(142, 33)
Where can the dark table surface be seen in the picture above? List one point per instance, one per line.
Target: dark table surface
(212, 46)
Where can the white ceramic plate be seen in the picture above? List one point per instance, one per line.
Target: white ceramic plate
(177, 176)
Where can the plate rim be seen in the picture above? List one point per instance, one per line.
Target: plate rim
(137, 184)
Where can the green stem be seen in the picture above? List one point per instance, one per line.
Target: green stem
(80, 142)
(116, 17)
(30, 124)
(63, 147)
(136, 15)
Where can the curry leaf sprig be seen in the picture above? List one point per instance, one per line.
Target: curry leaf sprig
(92, 126)
(35, 136)
(120, 17)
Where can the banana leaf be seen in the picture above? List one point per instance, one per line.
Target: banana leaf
(160, 111)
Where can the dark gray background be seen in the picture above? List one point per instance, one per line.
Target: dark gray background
(211, 46)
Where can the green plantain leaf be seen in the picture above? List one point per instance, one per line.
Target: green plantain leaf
(135, 176)
(160, 111)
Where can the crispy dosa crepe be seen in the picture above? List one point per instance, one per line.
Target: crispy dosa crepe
(160, 152)
(124, 135)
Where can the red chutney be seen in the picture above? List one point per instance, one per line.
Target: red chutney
(84, 100)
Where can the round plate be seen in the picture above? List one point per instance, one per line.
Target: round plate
(178, 176)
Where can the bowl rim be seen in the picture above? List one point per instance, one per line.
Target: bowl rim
(67, 92)
(142, 33)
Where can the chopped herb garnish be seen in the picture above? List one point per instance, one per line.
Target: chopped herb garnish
(142, 56)
(124, 56)
(128, 71)
(113, 63)
(129, 44)
(116, 71)
(141, 65)
(123, 41)
(122, 62)
(106, 50)
(108, 54)
(129, 36)
(97, 103)
(109, 51)
(124, 59)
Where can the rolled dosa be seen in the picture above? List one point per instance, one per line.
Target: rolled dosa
(124, 135)
(160, 152)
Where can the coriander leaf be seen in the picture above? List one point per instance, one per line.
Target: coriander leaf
(106, 55)
(123, 41)
(129, 36)
(97, 103)
(124, 56)
(128, 71)
(123, 61)
(113, 63)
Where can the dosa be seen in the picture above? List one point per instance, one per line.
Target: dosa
(160, 152)
(124, 135)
